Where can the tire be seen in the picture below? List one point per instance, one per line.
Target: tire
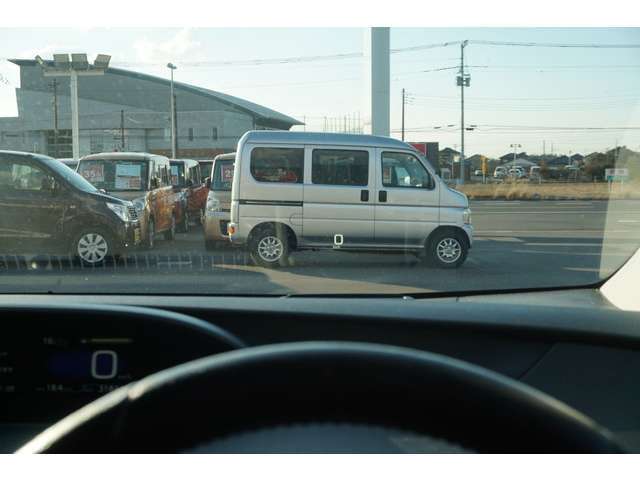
(447, 249)
(93, 247)
(269, 247)
(184, 226)
(151, 234)
(170, 234)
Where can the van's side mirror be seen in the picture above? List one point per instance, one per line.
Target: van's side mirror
(207, 182)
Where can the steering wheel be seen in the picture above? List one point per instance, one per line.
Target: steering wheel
(325, 396)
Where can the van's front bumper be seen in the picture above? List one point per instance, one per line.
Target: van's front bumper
(216, 226)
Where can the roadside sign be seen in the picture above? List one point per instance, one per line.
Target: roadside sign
(616, 174)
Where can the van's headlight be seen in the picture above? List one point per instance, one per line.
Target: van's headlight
(466, 216)
(122, 211)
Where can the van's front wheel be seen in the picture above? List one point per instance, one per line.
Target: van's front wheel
(269, 247)
(447, 249)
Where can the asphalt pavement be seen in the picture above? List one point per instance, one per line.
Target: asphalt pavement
(518, 244)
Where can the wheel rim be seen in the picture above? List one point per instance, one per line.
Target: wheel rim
(92, 248)
(270, 249)
(449, 250)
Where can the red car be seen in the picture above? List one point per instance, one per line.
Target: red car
(191, 191)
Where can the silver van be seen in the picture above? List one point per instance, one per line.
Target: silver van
(299, 190)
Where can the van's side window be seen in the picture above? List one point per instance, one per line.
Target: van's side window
(404, 170)
(22, 176)
(340, 167)
(284, 165)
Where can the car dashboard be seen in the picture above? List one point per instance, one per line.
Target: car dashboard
(60, 353)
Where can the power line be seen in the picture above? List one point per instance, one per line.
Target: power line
(553, 45)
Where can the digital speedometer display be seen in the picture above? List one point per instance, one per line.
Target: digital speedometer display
(60, 365)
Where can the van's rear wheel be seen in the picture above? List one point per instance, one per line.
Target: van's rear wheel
(269, 247)
(447, 249)
(93, 247)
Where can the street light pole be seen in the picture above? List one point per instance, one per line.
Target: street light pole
(172, 67)
(75, 122)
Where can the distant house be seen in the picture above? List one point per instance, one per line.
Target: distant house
(448, 156)
(509, 156)
(520, 162)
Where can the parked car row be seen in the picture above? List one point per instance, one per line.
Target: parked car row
(98, 207)
(282, 191)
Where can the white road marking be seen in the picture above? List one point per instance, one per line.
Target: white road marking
(552, 244)
(574, 254)
(628, 221)
(542, 212)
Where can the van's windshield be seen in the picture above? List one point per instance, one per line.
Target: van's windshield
(115, 175)
(222, 175)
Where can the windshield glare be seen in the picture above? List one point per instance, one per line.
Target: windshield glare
(455, 160)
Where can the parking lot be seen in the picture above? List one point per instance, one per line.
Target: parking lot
(528, 244)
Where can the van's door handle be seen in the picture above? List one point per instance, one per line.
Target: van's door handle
(382, 196)
(364, 195)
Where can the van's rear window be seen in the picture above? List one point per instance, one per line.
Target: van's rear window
(115, 175)
(223, 175)
(283, 165)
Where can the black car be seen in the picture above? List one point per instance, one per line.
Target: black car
(47, 208)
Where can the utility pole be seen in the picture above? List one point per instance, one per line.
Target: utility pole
(403, 114)
(463, 80)
(54, 86)
(122, 130)
(544, 148)
(172, 67)
(175, 126)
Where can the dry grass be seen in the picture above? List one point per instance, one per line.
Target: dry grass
(551, 191)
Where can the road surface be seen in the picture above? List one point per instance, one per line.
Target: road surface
(518, 245)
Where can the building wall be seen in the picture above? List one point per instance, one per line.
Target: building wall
(205, 125)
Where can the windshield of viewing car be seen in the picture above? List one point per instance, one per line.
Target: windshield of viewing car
(115, 175)
(222, 175)
(485, 159)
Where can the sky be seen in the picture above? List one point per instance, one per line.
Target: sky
(565, 100)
